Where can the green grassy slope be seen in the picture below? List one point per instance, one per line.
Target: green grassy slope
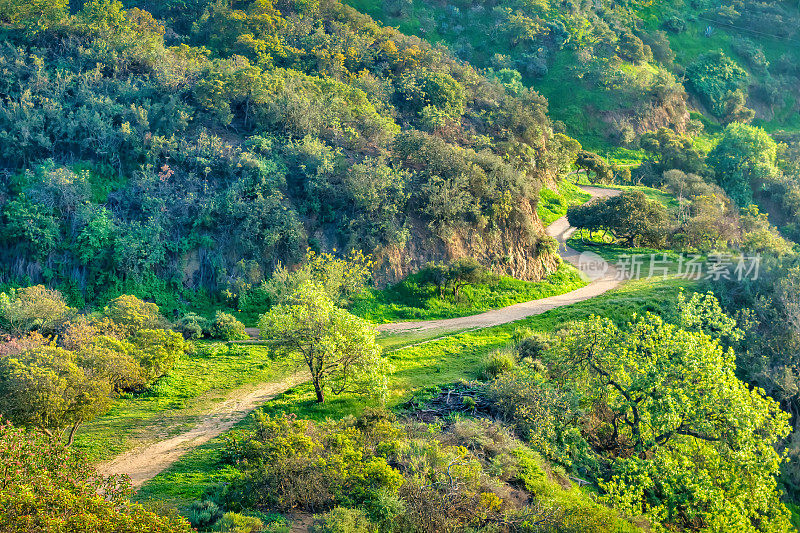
(412, 300)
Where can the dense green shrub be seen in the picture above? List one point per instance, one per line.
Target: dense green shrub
(32, 308)
(226, 327)
(238, 523)
(204, 514)
(743, 160)
(192, 326)
(134, 314)
(715, 76)
(498, 362)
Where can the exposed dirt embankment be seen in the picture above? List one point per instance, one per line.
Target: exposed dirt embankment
(512, 250)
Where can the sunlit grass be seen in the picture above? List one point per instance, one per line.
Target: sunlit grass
(412, 299)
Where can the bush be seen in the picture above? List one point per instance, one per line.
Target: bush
(533, 347)
(713, 76)
(226, 327)
(23, 310)
(203, 515)
(675, 25)
(134, 314)
(498, 362)
(52, 488)
(192, 326)
(343, 520)
(238, 523)
(157, 350)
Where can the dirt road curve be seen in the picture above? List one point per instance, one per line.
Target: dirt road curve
(145, 462)
(602, 274)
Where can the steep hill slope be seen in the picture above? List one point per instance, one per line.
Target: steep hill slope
(198, 153)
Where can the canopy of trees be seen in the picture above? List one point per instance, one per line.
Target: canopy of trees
(629, 217)
(655, 413)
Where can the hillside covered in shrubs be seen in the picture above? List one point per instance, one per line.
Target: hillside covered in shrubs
(202, 149)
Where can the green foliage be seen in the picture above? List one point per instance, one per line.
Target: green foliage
(595, 164)
(134, 313)
(378, 474)
(668, 393)
(261, 130)
(342, 278)
(46, 389)
(671, 151)
(204, 514)
(758, 236)
(45, 486)
(238, 523)
(715, 76)
(227, 328)
(766, 357)
(338, 348)
(629, 217)
(418, 296)
(431, 89)
(32, 308)
(343, 520)
(33, 15)
(743, 160)
(465, 271)
(157, 350)
(57, 388)
(498, 362)
(192, 326)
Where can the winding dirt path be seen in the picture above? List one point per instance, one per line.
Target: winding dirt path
(601, 274)
(145, 462)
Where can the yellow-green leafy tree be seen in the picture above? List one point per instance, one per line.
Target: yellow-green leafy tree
(338, 347)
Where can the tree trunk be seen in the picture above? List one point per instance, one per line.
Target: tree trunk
(72, 433)
(319, 391)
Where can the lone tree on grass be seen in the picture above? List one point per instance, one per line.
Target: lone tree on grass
(338, 348)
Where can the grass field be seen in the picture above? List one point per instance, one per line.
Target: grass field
(412, 300)
(437, 363)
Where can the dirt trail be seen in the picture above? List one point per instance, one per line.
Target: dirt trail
(145, 462)
(602, 275)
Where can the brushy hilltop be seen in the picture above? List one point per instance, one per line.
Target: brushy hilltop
(615, 70)
(200, 152)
